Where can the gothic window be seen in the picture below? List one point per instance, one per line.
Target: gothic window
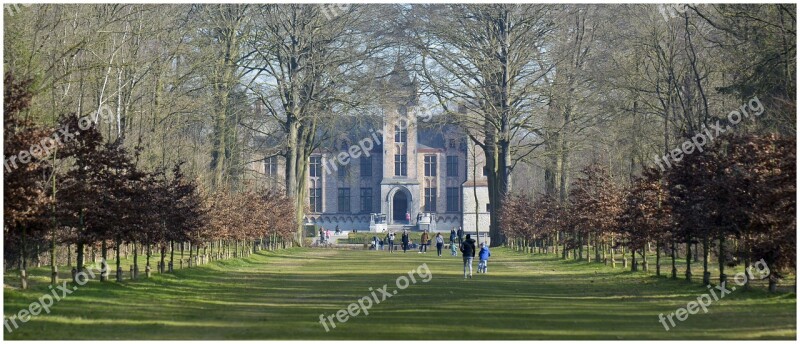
(366, 166)
(400, 165)
(315, 199)
(453, 200)
(343, 200)
(271, 166)
(315, 166)
(430, 199)
(366, 200)
(452, 166)
(430, 166)
(400, 134)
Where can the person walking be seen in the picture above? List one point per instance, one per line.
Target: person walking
(404, 240)
(408, 218)
(468, 253)
(321, 235)
(453, 235)
(423, 242)
(483, 256)
(460, 234)
(439, 243)
(391, 241)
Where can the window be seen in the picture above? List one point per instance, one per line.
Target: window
(452, 199)
(452, 166)
(315, 166)
(344, 200)
(400, 165)
(315, 200)
(366, 200)
(452, 144)
(366, 166)
(430, 199)
(271, 166)
(399, 134)
(430, 166)
(342, 171)
(344, 145)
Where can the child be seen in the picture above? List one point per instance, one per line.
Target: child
(453, 249)
(483, 255)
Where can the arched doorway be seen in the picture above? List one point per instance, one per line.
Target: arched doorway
(399, 207)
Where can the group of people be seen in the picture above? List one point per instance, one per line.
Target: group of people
(466, 246)
(324, 235)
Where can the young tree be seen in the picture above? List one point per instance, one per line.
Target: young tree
(26, 202)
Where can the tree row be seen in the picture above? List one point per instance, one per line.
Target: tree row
(735, 202)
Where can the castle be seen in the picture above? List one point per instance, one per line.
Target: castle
(408, 173)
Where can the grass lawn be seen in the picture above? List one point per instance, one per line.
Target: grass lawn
(280, 295)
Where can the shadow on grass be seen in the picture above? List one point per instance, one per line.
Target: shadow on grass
(281, 295)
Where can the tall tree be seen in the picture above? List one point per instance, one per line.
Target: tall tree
(485, 64)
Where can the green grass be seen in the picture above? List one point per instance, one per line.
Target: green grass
(280, 295)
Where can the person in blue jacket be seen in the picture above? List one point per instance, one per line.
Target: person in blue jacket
(483, 255)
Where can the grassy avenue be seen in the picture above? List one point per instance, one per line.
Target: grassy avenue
(281, 294)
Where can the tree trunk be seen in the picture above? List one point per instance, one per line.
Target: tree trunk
(611, 253)
(674, 266)
(79, 257)
(644, 259)
(688, 260)
(746, 285)
(23, 271)
(658, 258)
(706, 273)
(103, 262)
(162, 264)
(119, 267)
(596, 248)
(135, 261)
(722, 276)
(773, 283)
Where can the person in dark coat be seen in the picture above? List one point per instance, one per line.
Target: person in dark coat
(452, 235)
(460, 234)
(405, 240)
(468, 253)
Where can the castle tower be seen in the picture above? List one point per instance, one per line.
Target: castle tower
(400, 185)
